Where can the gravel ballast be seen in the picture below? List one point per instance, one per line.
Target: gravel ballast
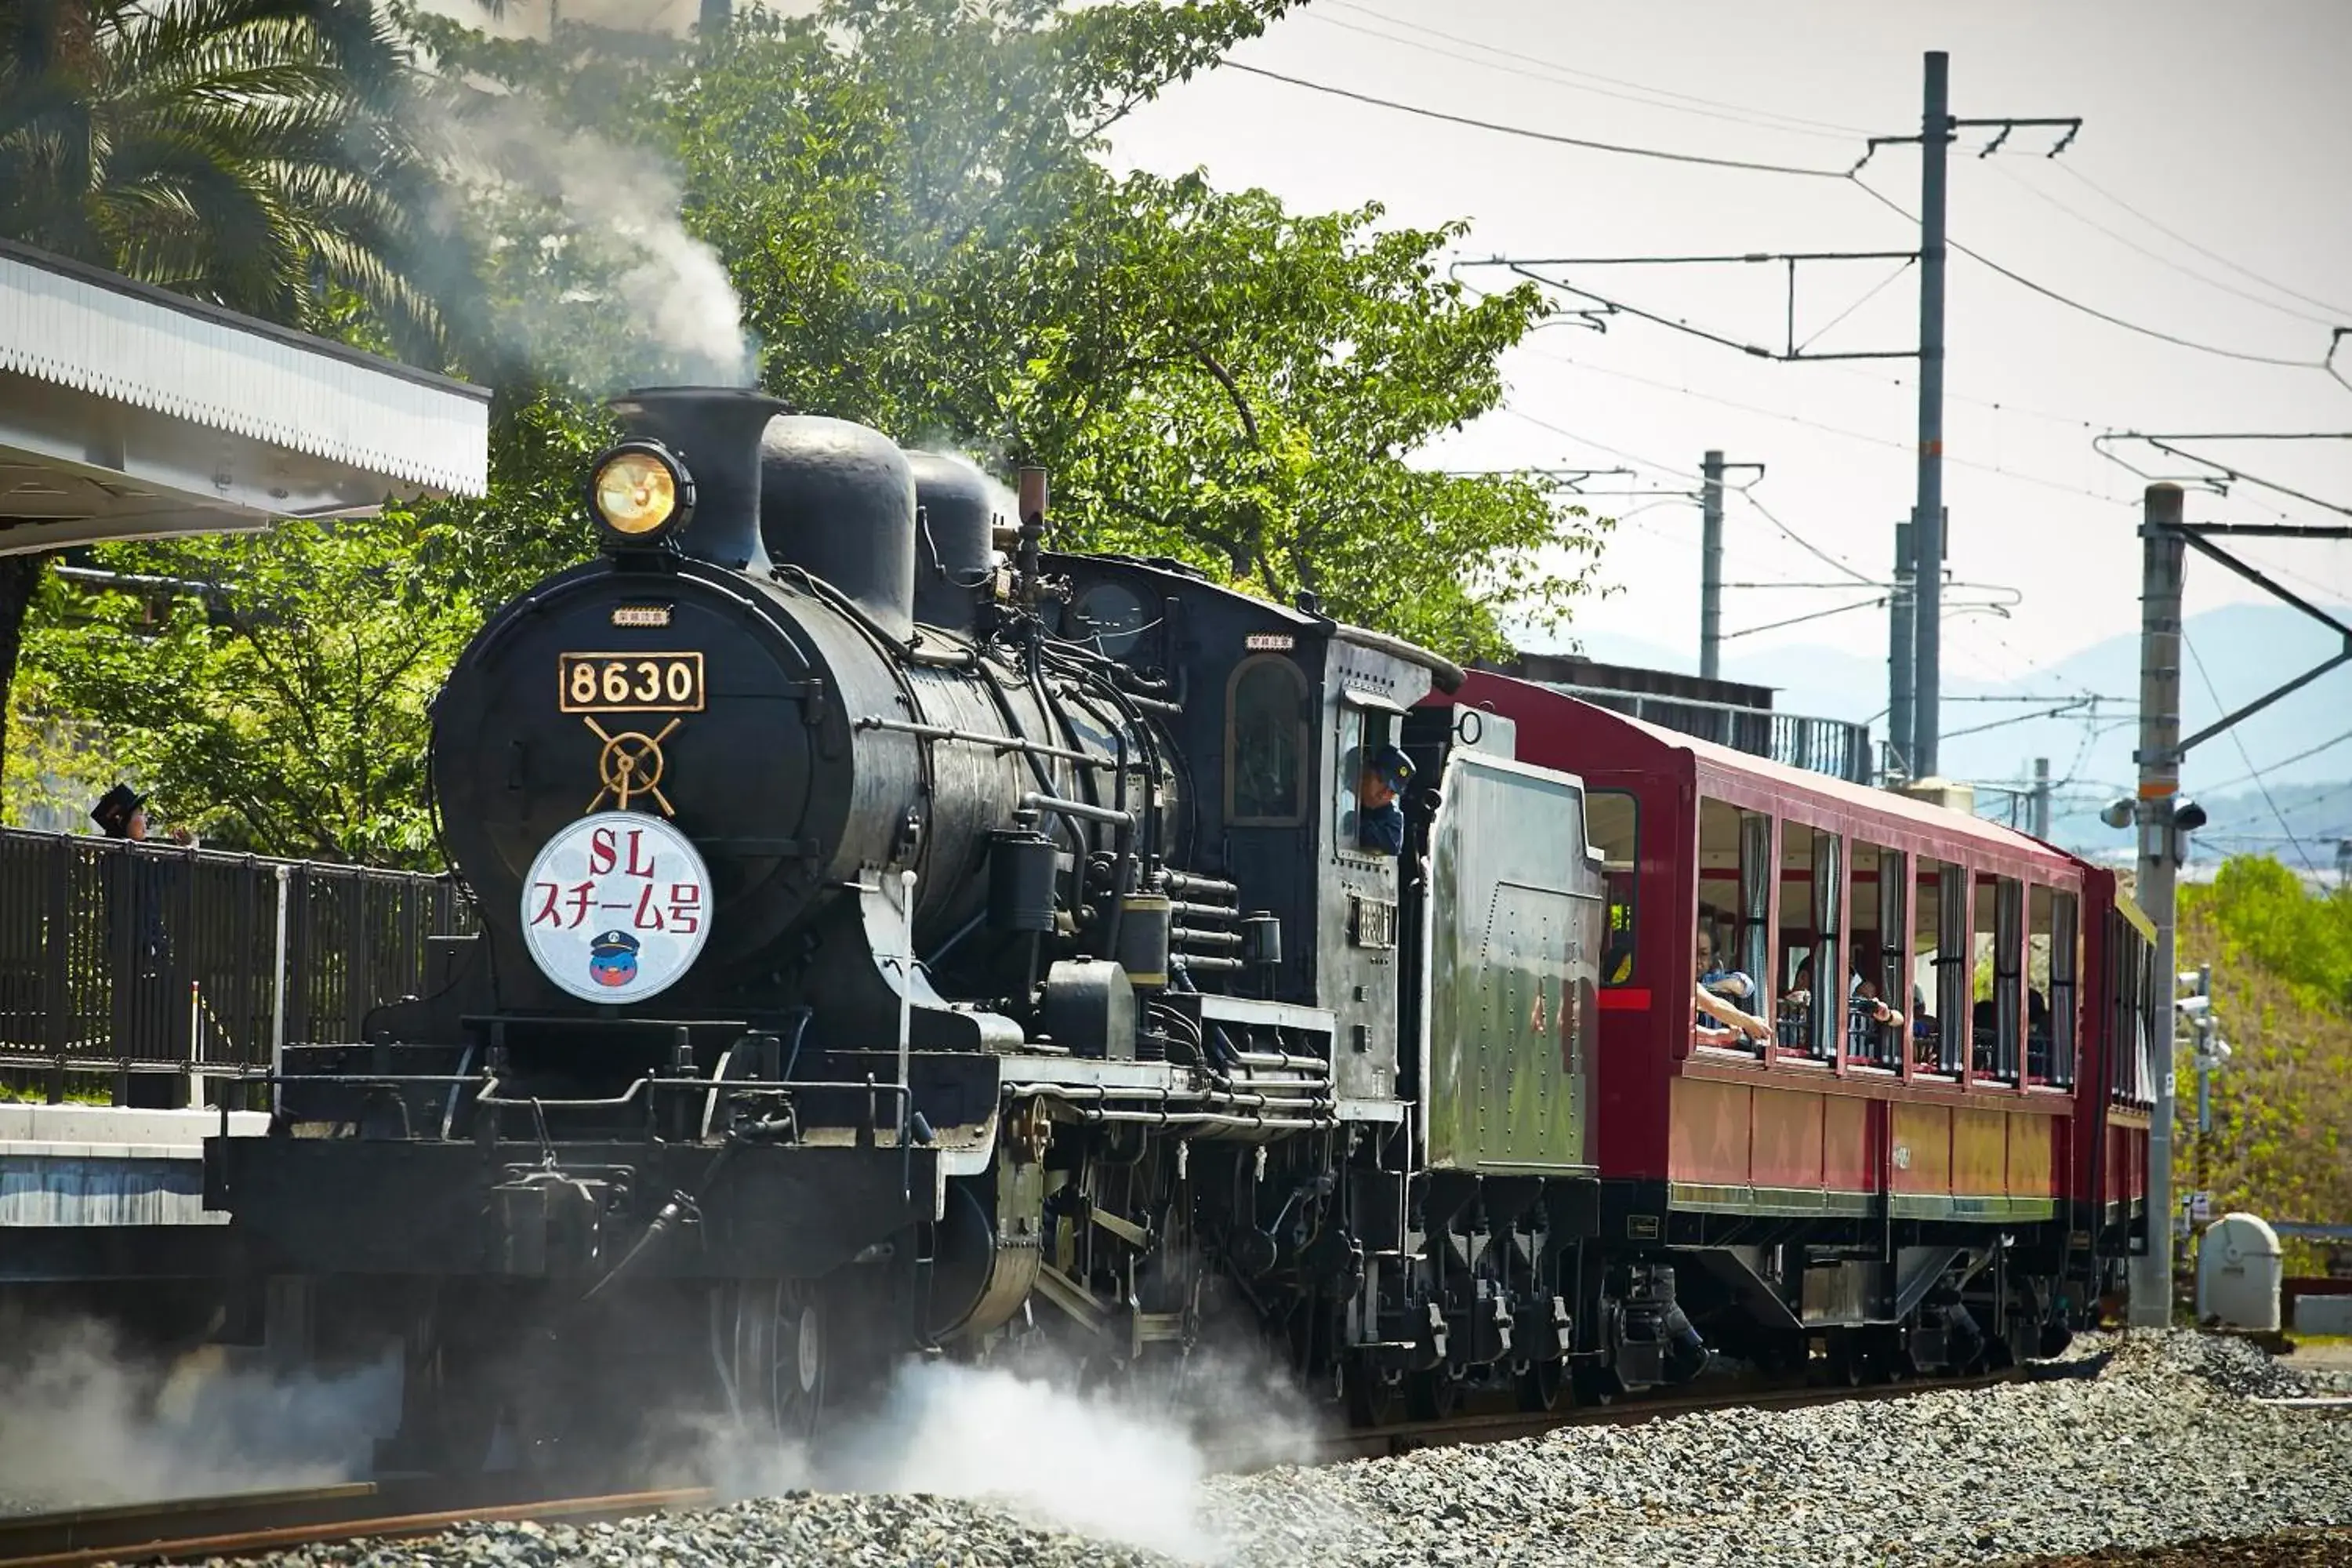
(2162, 1440)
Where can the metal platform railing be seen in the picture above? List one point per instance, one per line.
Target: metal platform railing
(1831, 746)
(152, 959)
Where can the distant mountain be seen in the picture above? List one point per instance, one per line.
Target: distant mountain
(2245, 650)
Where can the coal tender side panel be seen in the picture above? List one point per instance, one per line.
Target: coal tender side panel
(1512, 969)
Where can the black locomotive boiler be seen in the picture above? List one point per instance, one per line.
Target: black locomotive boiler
(897, 938)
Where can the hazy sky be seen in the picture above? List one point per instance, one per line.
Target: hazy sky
(2229, 126)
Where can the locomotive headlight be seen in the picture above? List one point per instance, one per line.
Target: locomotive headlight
(640, 492)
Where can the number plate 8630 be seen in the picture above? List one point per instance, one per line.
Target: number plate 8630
(630, 682)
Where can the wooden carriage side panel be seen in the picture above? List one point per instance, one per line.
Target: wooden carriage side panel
(1852, 1131)
(1785, 1139)
(1980, 1153)
(2031, 1165)
(1708, 1132)
(1922, 1162)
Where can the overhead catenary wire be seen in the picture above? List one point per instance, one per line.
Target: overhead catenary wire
(1529, 133)
(2238, 739)
(1887, 441)
(2071, 303)
(1850, 175)
(2159, 257)
(2284, 762)
(1709, 108)
(2342, 312)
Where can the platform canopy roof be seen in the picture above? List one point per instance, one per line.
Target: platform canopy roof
(127, 412)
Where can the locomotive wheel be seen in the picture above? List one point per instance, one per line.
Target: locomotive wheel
(1846, 1364)
(1432, 1395)
(770, 1340)
(1593, 1383)
(1543, 1387)
(1371, 1393)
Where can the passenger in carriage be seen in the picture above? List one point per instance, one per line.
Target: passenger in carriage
(1795, 1014)
(1717, 1020)
(1984, 1027)
(1864, 1008)
(1729, 983)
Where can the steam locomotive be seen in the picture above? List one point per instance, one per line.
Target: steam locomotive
(898, 937)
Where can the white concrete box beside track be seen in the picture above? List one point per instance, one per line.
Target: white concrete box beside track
(95, 1164)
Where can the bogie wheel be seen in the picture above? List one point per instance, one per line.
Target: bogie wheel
(1847, 1364)
(1373, 1395)
(1543, 1387)
(1596, 1384)
(768, 1338)
(1432, 1395)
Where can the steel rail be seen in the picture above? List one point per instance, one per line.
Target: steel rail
(1498, 1426)
(246, 1524)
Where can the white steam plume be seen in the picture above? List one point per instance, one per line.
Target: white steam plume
(1118, 1465)
(624, 295)
(84, 1422)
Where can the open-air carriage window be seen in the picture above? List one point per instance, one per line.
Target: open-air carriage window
(1735, 911)
(1942, 969)
(1997, 1016)
(1880, 965)
(1811, 1011)
(2056, 963)
(1613, 825)
(1265, 744)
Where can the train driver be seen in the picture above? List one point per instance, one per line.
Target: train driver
(1380, 820)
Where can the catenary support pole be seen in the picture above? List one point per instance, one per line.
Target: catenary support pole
(1928, 515)
(2040, 827)
(1902, 634)
(2161, 550)
(1710, 567)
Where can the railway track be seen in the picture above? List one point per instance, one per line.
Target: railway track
(250, 1523)
(1499, 1426)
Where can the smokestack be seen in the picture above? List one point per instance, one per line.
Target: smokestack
(715, 431)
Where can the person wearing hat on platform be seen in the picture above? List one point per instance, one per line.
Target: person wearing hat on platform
(1380, 820)
(121, 813)
(137, 887)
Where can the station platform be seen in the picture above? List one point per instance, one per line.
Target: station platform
(93, 1191)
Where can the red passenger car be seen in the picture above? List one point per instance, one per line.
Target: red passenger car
(1920, 1066)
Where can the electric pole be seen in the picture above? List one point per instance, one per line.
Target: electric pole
(2041, 798)
(1902, 644)
(1710, 566)
(1937, 129)
(1711, 469)
(2162, 551)
(1927, 512)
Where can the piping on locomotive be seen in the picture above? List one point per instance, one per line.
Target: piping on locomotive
(899, 937)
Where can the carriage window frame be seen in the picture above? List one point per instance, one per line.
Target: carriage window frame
(2065, 965)
(1298, 734)
(1616, 939)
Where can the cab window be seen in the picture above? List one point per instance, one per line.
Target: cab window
(1362, 732)
(1265, 744)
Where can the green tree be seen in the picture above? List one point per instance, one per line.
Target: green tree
(911, 203)
(910, 200)
(2281, 1140)
(249, 153)
(278, 694)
